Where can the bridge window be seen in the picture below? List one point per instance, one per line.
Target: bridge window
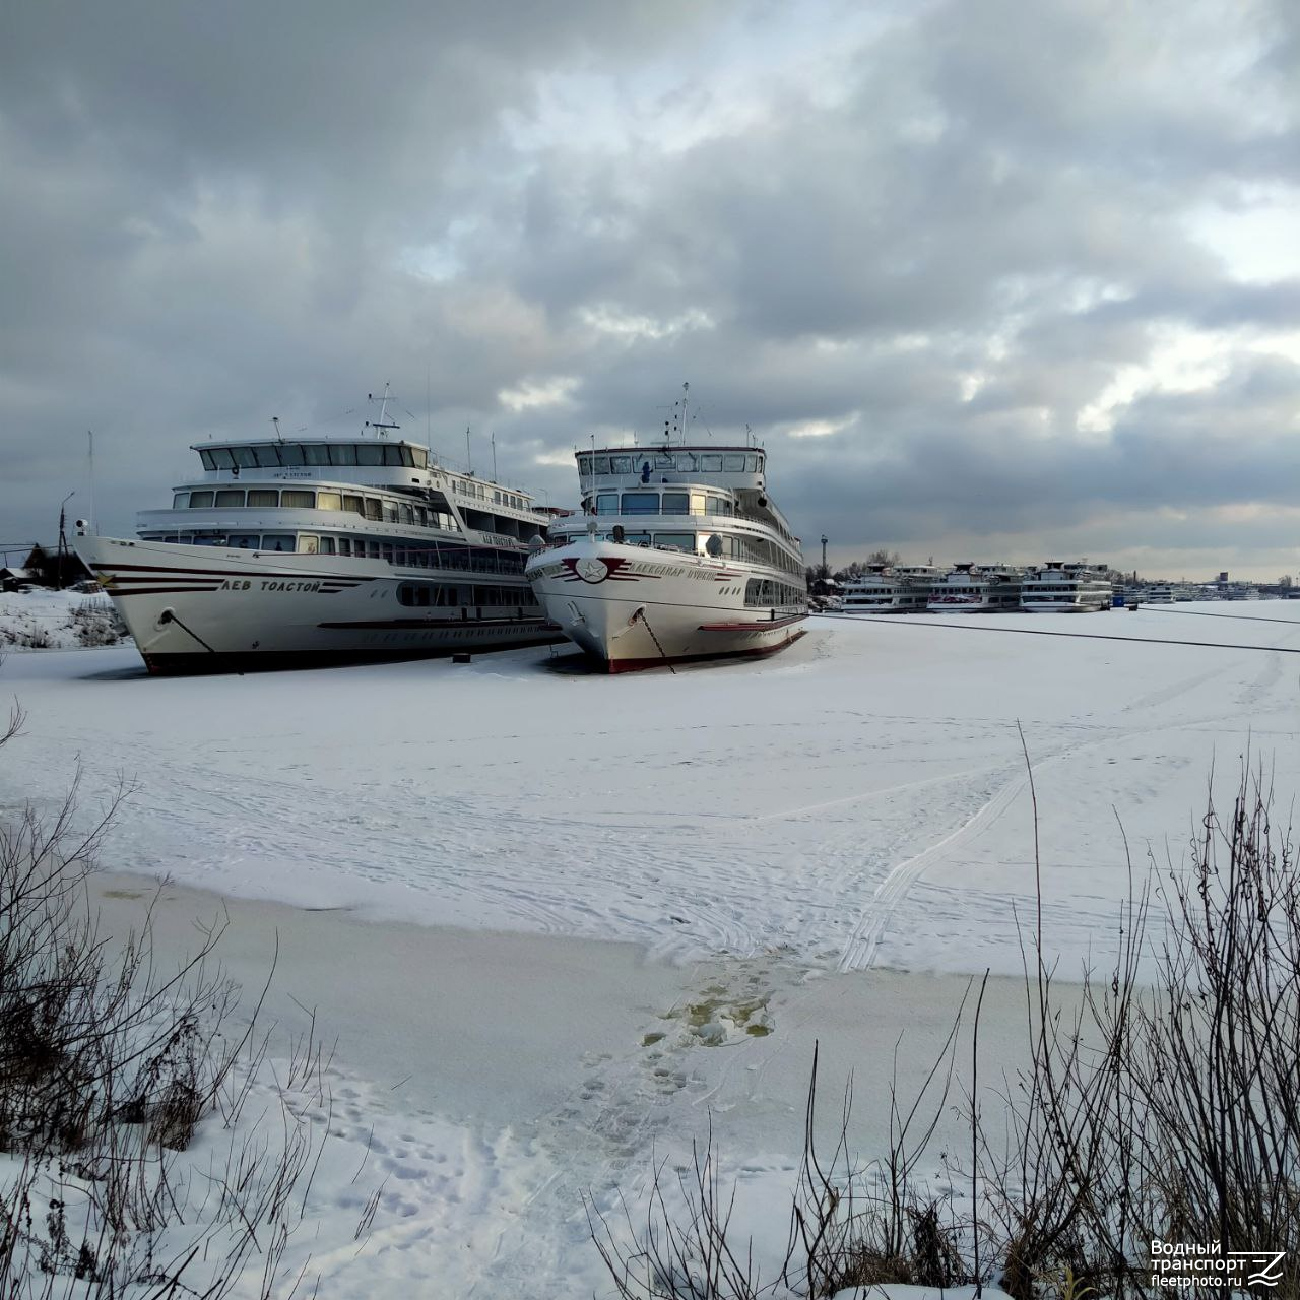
(316, 453)
(419, 457)
(263, 497)
(640, 503)
(267, 458)
(711, 462)
(244, 457)
(370, 453)
(680, 541)
(731, 464)
(620, 465)
(291, 454)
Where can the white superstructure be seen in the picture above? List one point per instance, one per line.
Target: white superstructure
(1066, 588)
(679, 554)
(890, 589)
(297, 551)
(969, 589)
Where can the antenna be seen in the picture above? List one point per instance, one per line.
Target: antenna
(495, 479)
(469, 463)
(686, 392)
(279, 437)
(90, 457)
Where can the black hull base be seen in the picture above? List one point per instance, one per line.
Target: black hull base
(260, 661)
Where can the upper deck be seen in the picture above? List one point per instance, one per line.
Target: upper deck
(735, 468)
(396, 465)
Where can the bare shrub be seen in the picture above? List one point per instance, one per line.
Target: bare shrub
(95, 622)
(107, 1069)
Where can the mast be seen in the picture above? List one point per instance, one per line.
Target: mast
(383, 425)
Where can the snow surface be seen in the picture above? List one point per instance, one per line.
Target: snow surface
(39, 619)
(605, 884)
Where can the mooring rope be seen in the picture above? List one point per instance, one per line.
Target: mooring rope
(170, 616)
(1080, 636)
(642, 616)
(1210, 613)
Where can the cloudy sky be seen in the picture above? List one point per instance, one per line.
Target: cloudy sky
(992, 279)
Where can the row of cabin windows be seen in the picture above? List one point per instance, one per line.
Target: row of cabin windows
(669, 503)
(360, 548)
(469, 488)
(750, 550)
(390, 512)
(445, 595)
(766, 592)
(269, 455)
(735, 462)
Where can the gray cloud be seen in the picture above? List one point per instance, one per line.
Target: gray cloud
(961, 241)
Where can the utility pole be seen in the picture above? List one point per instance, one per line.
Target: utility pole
(63, 535)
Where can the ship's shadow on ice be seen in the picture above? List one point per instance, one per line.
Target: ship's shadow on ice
(130, 672)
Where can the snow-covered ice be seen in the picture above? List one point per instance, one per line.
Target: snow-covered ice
(859, 800)
(629, 903)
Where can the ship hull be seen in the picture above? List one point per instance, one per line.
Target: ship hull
(630, 607)
(194, 609)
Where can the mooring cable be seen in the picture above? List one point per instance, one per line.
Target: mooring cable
(1210, 613)
(1079, 636)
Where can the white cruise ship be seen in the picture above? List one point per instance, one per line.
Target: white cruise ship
(298, 552)
(679, 554)
(1066, 588)
(890, 589)
(968, 589)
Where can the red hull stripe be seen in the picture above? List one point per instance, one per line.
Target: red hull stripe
(635, 665)
(752, 627)
(125, 572)
(159, 591)
(432, 624)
